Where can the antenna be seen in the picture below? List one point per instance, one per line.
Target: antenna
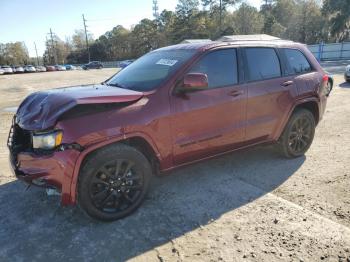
(155, 9)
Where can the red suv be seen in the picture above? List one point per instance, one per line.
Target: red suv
(99, 145)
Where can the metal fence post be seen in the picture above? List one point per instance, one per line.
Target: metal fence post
(341, 50)
(319, 52)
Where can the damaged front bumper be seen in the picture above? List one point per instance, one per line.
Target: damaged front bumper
(52, 169)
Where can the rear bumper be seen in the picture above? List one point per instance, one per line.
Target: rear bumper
(49, 171)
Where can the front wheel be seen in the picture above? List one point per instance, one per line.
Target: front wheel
(113, 182)
(298, 135)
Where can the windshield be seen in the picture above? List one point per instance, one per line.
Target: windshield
(149, 71)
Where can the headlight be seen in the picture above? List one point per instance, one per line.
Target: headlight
(48, 140)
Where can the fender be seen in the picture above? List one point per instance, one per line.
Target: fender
(280, 128)
(101, 144)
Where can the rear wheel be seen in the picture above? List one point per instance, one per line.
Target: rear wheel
(329, 87)
(113, 182)
(298, 134)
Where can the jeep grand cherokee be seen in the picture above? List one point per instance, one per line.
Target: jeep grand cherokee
(100, 144)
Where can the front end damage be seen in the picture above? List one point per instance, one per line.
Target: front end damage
(51, 169)
(48, 163)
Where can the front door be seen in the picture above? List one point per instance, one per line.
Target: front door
(209, 121)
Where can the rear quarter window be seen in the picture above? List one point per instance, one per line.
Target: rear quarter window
(262, 63)
(296, 62)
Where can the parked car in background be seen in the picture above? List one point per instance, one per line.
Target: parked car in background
(19, 69)
(70, 67)
(93, 65)
(125, 63)
(100, 144)
(7, 69)
(60, 68)
(29, 69)
(50, 68)
(40, 68)
(2, 71)
(347, 73)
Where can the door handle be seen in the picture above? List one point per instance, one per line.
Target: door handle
(235, 93)
(287, 83)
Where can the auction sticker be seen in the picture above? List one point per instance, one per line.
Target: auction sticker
(167, 62)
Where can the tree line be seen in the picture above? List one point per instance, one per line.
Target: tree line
(306, 21)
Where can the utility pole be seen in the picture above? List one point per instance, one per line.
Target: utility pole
(220, 24)
(37, 57)
(52, 46)
(86, 38)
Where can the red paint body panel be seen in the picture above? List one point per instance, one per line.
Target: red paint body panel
(180, 128)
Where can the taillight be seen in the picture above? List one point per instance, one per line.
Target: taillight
(325, 78)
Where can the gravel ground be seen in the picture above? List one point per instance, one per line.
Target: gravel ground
(246, 206)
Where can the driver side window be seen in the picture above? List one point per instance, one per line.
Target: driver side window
(220, 66)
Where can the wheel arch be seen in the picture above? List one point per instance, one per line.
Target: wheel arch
(312, 106)
(139, 141)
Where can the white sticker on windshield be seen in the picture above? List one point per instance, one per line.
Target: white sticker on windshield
(167, 62)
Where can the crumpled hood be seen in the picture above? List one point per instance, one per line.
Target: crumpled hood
(40, 110)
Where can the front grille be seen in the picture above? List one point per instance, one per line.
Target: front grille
(19, 140)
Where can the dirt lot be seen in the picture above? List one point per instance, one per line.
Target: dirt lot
(246, 206)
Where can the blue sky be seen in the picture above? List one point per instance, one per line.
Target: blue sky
(34, 18)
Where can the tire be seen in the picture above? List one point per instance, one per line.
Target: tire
(298, 134)
(113, 182)
(329, 88)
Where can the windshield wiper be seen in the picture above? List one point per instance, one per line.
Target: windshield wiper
(116, 85)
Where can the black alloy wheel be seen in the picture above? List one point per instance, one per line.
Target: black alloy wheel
(113, 182)
(298, 134)
(116, 186)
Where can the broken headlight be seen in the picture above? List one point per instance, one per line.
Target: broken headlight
(49, 140)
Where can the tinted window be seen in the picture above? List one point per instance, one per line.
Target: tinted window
(149, 71)
(263, 63)
(298, 64)
(220, 66)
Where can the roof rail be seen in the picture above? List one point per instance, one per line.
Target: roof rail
(194, 41)
(260, 37)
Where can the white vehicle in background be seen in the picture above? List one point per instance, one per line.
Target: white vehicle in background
(40, 68)
(2, 71)
(18, 69)
(7, 69)
(29, 69)
(347, 73)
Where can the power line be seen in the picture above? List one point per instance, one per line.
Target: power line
(86, 38)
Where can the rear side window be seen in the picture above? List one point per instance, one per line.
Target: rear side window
(297, 62)
(220, 66)
(262, 63)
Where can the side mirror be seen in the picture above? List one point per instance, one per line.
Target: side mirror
(195, 81)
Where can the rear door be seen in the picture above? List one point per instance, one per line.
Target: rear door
(270, 92)
(210, 121)
(301, 71)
